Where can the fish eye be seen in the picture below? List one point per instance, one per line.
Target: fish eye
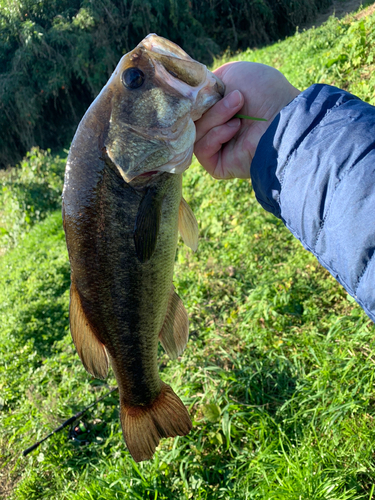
(133, 78)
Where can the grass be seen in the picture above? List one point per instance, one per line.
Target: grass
(278, 373)
(340, 52)
(28, 193)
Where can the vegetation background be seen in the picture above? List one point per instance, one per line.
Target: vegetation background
(278, 374)
(56, 55)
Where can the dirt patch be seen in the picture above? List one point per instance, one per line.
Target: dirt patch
(366, 12)
(340, 9)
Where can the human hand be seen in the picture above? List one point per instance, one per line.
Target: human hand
(225, 146)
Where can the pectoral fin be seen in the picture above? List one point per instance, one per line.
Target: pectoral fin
(91, 351)
(175, 331)
(147, 225)
(188, 225)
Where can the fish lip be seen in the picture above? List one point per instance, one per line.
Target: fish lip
(219, 86)
(159, 45)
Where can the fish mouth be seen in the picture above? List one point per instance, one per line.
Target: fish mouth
(144, 179)
(160, 45)
(198, 89)
(192, 79)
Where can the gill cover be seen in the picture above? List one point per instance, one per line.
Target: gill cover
(157, 90)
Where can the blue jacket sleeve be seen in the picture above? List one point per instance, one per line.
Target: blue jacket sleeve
(315, 169)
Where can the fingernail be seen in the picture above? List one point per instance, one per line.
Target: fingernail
(233, 99)
(234, 123)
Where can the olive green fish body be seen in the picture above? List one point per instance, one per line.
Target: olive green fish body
(122, 210)
(125, 300)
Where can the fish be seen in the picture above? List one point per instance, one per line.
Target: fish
(122, 211)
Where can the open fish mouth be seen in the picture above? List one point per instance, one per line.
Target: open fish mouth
(176, 68)
(177, 89)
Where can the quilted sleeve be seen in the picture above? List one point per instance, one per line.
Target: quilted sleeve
(315, 169)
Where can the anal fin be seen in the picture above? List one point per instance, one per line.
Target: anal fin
(188, 225)
(91, 351)
(144, 426)
(175, 331)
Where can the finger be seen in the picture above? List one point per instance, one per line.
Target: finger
(208, 147)
(220, 113)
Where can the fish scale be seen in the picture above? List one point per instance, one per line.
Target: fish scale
(122, 210)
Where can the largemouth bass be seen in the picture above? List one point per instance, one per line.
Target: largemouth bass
(122, 208)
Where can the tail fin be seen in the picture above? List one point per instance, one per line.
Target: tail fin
(144, 426)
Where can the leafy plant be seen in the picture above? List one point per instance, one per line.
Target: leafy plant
(28, 193)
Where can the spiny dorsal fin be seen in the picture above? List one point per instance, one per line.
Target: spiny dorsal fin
(175, 331)
(144, 426)
(147, 225)
(188, 225)
(91, 351)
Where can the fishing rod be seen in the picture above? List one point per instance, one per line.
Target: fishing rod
(67, 422)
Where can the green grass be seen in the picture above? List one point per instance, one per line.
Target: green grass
(340, 52)
(278, 373)
(28, 193)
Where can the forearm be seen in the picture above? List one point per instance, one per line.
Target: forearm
(315, 169)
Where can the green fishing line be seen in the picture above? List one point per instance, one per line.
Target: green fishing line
(250, 118)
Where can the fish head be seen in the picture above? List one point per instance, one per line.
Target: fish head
(154, 96)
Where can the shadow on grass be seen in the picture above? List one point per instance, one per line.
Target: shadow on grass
(44, 324)
(41, 316)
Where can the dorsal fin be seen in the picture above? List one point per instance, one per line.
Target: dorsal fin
(175, 331)
(188, 225)
(91, 351)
